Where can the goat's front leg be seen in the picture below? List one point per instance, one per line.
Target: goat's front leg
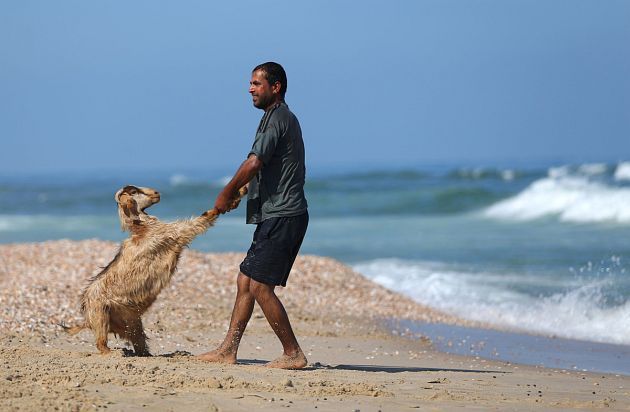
(186, 231)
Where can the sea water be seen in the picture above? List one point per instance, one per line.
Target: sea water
(542, 250)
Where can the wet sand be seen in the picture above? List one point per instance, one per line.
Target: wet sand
(520, 347)
(355, 363)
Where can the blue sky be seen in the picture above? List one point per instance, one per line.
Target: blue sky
(149, 85)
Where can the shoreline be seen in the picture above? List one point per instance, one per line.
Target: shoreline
(519, 347)
(354, 362)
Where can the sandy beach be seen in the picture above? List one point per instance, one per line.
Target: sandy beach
(355, 363)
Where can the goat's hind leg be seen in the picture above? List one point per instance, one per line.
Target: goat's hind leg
(100, 324)
(137, 337)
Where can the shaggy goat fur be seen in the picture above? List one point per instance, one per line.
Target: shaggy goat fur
(115, 299)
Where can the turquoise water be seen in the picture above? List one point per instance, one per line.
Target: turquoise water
(536, 249)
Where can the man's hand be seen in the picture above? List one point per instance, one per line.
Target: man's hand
(231, 194)
(242, 192)
(224, 203)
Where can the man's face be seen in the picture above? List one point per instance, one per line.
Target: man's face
(263, 94)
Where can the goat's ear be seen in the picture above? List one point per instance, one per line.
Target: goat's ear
(126, 203)
(125, 209)
(131, 206)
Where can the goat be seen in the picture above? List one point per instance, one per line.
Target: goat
(115, 299)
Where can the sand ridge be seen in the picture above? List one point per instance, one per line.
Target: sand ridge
(41, 283)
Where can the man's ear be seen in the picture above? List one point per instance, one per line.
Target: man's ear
(276, 87)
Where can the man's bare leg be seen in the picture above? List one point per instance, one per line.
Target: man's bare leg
(242, 312)
(293, 357)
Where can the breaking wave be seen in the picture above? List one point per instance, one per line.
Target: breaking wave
(622, 172)
(580, 309)
(571, 197)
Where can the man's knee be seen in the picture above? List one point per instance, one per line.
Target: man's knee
(243, 283)
(260, 290)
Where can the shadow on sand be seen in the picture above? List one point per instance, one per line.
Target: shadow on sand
(371, 368)
(320, 366)
(398, 369)
(129, 353)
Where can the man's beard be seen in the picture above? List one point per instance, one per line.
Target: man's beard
(263, 103)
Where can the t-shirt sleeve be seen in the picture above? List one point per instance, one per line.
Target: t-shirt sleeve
(266, 141)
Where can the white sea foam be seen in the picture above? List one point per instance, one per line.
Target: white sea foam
(571, 198)
(559, 171)
(585, 170)
(592, 169)
(578, 313)
(47, 223)
(224, 180)
(508, 174)
(183, 180)
(178, 179)
(622, 172)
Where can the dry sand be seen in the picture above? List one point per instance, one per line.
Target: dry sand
(354, 364)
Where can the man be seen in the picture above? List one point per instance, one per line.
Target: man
(275, 173)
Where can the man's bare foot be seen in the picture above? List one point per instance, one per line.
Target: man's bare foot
(297, 361)
(218, 356)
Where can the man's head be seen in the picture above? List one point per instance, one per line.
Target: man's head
(268, 85)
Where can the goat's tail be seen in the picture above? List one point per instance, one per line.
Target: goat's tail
(72, 330)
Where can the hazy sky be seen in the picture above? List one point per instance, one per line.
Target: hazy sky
(99, 85)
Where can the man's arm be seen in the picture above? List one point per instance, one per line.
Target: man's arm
(243, 175)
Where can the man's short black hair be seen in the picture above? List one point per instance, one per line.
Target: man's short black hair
(274, 73)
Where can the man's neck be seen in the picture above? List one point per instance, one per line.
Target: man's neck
(274, 104)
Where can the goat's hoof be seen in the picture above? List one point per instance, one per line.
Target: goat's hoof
(209, 213)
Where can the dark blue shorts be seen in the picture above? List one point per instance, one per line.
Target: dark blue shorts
(276, 243)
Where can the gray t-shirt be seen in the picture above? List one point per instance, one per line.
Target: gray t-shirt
(278, 189)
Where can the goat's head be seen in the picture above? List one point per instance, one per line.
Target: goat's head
(132, 201)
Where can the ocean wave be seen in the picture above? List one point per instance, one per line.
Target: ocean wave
(50, 223)
(404, 174)
(480, 173)
(223, 181)
(178, 180)
(583, 310)
(593, 169)
(622, 172)
(571, 198)
(460, 173)
(588, 170)
(182, 180)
